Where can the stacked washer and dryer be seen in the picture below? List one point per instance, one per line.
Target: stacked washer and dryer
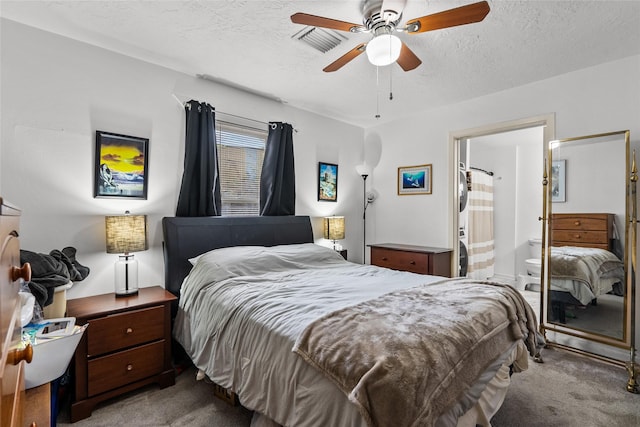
(463, 219)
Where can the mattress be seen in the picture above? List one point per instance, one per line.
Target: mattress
(242, 309)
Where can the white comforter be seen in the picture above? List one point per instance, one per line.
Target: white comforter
(242, 308)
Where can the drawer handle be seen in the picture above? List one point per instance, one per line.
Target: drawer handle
(129, 330)
(577, 236)
(129, 367)
(576, 223)
(23, 272)
(19, 354)
(384, 258)
(412, 263)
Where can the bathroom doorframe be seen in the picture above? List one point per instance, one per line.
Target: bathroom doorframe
(546, 121)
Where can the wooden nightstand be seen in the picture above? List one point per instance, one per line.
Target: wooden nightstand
(416, 259)
(126, 345)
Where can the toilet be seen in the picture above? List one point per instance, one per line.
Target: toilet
(533, 264)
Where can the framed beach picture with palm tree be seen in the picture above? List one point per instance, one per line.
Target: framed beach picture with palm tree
(120, 166)
(414, 180)
(327, 182)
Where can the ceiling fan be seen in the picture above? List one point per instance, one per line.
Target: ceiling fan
(381, 18)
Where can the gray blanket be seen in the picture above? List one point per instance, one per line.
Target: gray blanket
(404, 358)
(587, 265)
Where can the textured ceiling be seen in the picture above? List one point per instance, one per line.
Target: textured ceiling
(250, 44)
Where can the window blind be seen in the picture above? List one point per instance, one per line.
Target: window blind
(240, 157)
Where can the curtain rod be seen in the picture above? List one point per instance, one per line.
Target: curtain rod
(240, 117)
(247, 118)
(184, 104)
(481, 170)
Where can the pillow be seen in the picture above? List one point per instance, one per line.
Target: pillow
(254, 260)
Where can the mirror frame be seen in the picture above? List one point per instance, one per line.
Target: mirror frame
(627, 340)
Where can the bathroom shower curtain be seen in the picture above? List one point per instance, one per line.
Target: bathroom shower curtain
(480, 226)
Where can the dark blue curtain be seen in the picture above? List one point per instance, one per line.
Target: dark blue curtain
(278, 180)
(200, 188)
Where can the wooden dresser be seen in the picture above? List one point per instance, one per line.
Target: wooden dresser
(593, 230)
(127, 345)
(416, 259)
(14, 356)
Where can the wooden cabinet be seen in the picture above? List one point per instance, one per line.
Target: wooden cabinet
(126, 345)
(582, 229)
(416, 259)
(37, 407)
(13, 356)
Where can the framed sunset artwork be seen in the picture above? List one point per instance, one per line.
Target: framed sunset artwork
(120, 166)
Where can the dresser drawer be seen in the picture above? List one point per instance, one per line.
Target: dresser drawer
(124, 330)
(583, 224)
(117, 369)
(577, 237)
(400, 260)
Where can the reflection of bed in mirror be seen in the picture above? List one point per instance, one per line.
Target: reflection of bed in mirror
(583, 268)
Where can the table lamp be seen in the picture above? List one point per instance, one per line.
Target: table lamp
(334, 229)
(125, 234)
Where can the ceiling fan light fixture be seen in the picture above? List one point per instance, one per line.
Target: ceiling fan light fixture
(384, 49)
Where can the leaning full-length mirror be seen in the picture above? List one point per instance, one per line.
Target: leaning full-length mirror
(588, 286)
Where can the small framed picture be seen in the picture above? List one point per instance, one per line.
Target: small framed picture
(414, 180)
(120, 166)
(327, 182)
(558, 181)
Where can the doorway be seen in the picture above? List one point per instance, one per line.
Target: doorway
(513, 153)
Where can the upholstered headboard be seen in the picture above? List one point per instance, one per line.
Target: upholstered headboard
(187, 237)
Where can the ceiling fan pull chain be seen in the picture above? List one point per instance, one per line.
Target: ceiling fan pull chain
(390, 84)
(377, 92)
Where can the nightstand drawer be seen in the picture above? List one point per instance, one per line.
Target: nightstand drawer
(125, 330)
(399, 260)
(125, 367)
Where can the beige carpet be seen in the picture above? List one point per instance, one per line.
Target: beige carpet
(567, 390)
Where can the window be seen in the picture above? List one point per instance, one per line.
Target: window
(240, 156)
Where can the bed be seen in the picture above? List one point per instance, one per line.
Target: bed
(314, 340)
(582, 266)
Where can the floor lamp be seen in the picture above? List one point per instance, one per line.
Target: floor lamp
(364, 171)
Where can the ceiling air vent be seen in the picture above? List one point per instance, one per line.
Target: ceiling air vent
(319, 38)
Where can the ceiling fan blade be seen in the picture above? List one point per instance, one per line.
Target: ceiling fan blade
(407, 59)
(319, 21)
(344, 59)
(449, 18)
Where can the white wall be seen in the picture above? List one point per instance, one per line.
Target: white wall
(594, 100)
(57, 92)
(595, 179)
(598, 99)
